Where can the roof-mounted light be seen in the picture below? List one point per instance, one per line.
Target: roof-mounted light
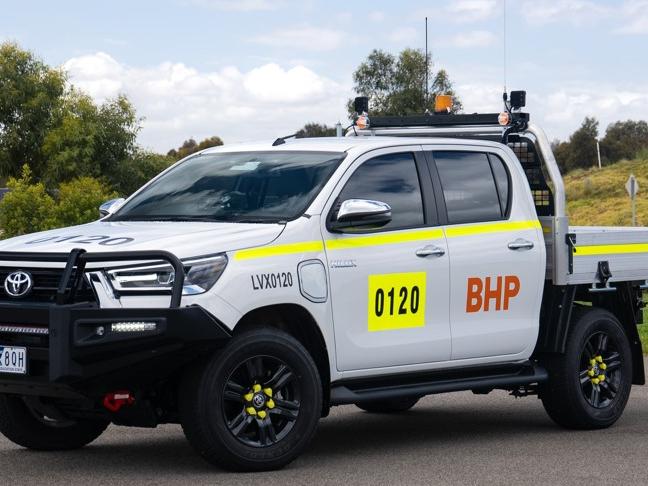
(442, 103)
(504, 118)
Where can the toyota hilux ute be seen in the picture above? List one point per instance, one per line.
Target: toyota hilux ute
(249, 288)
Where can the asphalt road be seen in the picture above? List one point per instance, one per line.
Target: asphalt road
(446, 439)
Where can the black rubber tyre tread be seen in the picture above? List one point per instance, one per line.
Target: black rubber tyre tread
(22, 428)
(393, 405)
(562, 397)
(206, 430)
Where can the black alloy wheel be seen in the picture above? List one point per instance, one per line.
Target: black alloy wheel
(261, 401)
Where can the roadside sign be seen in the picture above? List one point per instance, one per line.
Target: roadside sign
(632, 186)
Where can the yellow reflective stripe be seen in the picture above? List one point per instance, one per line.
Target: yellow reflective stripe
(383, 239)
(279, 250)
(500, 226)
(606, 249)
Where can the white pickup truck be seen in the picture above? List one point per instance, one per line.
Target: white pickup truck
(249, 288)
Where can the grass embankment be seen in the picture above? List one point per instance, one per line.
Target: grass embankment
(599, 198)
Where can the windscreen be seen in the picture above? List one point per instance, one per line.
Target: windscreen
(254, 187)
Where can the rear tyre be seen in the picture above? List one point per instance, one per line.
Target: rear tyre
(589, 385)
(254, 406)
(392, 405)
(25, 422)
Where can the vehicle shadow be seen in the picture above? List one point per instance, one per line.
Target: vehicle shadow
(347, 433)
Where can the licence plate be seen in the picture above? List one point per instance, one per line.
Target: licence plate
(13, 360)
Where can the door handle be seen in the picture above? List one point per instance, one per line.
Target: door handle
(430, 250)
(520, 244)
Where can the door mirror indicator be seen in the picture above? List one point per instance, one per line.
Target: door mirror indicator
(361, 213)
(109, 207)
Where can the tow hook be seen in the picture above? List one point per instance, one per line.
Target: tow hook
(114, 401)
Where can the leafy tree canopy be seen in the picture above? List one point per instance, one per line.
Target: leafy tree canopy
(395, 85)
(30, 94)
(190, 146)
(315, 130)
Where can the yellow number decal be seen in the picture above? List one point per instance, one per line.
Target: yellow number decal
(396, 301)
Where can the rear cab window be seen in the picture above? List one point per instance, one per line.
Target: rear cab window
(476, 186)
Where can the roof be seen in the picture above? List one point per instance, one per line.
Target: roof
(343, 144)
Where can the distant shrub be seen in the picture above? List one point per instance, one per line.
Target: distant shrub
(27, 207)
(79, 199)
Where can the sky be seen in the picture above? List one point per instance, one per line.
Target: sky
(258, 69)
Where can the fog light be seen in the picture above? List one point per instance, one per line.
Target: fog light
(133, 326)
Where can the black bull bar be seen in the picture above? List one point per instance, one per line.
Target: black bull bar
(79, 341)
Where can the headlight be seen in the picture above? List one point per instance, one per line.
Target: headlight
(200, 276)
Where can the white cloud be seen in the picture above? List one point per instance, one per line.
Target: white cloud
(239, 5)
(404, 35)
(576, 12)
(474, 10)
(377, 16)
(635, 13)
(306, 38)
(475, 38)
(179, 101)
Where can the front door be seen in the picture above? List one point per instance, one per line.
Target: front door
(497, 259)
(389, 287)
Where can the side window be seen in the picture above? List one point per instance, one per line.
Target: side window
(502, 182)
(475, 187)
(392, 179)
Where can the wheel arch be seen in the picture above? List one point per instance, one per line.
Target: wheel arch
(299, 323)
(556, 317)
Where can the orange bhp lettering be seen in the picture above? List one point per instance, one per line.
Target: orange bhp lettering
(495, 294)
(511, 289)
(474, 298)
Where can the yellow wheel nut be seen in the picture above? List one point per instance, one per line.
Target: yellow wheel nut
(603, 366)
(599, 358)
(592, 361)
(268, 391)
(595, 381)
(251, 411)
(256, 388)
(591, 373)
(271, 404)
(248, 397)
(262, 414)
(601, 378)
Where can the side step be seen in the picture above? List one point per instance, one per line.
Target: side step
(418, 385)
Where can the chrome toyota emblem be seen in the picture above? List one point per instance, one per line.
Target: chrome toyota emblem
(18, 284)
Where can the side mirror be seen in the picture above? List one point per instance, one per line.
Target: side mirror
(361, 213)
(109, 207)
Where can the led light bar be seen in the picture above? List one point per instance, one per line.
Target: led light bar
(136, 326)
(43, 331)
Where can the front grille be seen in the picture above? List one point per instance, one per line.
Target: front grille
(46, 282)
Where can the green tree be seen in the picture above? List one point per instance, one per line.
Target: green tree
(130, 174)
(315, 130)
(89, 140)
(27, 207)
(580, 150)
(79, 200)
(397, 85)
(30, 93)
(190, 146)
(624, 140)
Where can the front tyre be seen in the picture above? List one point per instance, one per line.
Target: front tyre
(254, 406)
(29, 423)
(589, 385)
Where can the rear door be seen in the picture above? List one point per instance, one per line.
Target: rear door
(496, 252)
(389, 287)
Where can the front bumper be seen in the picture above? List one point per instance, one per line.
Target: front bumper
(75, 350)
